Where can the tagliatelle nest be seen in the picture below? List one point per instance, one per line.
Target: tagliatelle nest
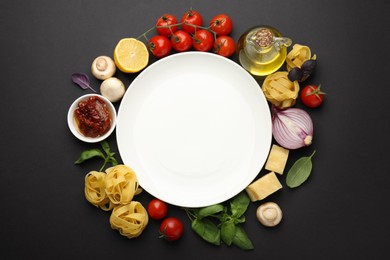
(298, 55)
(279, 90)
(95, 190)
(121, 184)
(117, 186)
(130, 219)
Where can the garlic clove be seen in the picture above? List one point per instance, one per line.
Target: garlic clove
(103, 67)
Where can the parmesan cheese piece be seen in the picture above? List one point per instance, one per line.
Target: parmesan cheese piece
(277, 159)
(263, 187)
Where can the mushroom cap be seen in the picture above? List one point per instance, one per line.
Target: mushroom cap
(103, 67)
(269, 214)
(113, 89)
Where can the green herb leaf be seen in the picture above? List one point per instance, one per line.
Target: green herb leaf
(299, 172)
(207, 230)
(228, 232)
(108, 158)
(106, 147)
(88, 154)
(241, 239)
(210, 210)
(239, 204)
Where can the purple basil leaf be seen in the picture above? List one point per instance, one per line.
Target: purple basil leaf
(82, 81)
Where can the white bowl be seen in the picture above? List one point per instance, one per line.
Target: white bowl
(72, 122)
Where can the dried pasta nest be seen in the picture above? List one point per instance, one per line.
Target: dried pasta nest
(114, 190)
(279, 90)
(298, 55)
(130, 219)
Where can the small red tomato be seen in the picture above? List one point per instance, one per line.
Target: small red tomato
(157, 209)
(181, 41)
(191, 17)
(164, 22)
(171, 229)
(160, 46)
(224, 46)
(203, 40)
(312, 96)
(221, 24)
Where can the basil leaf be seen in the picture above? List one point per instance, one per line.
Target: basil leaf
(82, 80)
(241, 239)
(210, 210)
(106, 147)
(228, 232)
(207, 230)
(239, 204)
(88, 154)
(239, 220)
(299, 172)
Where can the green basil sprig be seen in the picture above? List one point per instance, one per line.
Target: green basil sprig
(222, 223)
(107, 155)
(300, 171)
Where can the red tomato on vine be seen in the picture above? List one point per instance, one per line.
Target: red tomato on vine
(181, 41)
(224, 46)
(203, 40)
(221, 24)
(164, 25)
(191, 17)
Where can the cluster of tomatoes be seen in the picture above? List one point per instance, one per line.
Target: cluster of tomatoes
(190, 33)
(171, 228)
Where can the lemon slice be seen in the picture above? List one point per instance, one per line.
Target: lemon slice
(131, 55)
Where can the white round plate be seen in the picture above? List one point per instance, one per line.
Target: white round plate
(195, 127)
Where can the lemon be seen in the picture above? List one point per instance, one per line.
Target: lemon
(131, 55)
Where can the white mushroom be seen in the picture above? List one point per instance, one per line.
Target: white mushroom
(103, 67)
(113, 89)
(269, 214)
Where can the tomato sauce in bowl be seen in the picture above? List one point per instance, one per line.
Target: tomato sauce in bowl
(93, 117)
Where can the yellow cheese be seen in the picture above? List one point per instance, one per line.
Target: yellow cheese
(263, 187)
(277, 159)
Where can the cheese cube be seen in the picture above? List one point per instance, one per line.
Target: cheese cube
(277, 159)
(263, 187)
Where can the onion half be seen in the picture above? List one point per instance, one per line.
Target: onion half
(292, 128)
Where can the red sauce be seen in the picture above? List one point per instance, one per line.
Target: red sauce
(93, 117)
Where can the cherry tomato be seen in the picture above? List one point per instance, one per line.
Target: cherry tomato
(191, 17)
(160, 46)
(312, 96)
(221, 24)
(203, 40)
(166, 20)
(171, 229)
(157, 209)
(224, 46)
(181, 41)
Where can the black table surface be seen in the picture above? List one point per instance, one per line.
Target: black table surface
(341, 212)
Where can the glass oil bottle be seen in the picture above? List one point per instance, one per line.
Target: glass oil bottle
(262, 50)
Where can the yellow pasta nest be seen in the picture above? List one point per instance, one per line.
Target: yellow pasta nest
(279, 90)
(130, 219)
(298, 55)
(114, 190)
(121, 184)
(95, 191)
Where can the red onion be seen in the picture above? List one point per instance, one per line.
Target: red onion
(292, 128)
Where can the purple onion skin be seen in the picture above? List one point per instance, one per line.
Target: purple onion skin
(292, 128)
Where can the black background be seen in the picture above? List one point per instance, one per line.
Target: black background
(342, 212)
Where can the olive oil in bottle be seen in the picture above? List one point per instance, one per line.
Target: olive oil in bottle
(262, 50)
